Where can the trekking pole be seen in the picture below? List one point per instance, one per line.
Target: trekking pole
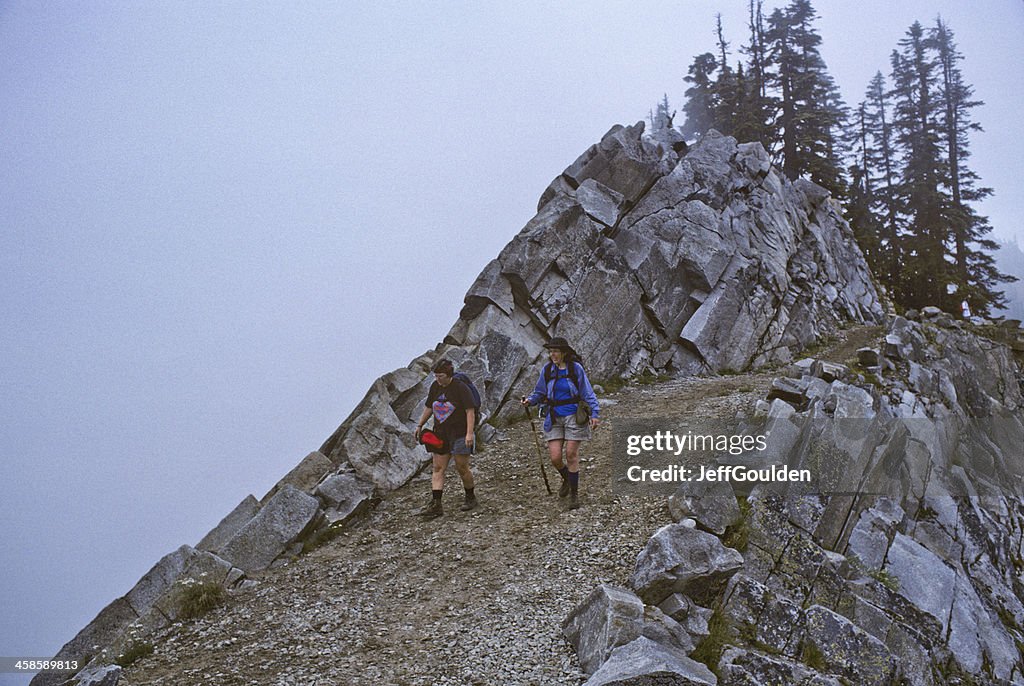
(540, 451)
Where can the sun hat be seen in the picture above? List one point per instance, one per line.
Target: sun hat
(558, 343)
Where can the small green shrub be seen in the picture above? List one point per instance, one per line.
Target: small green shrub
(886, 579)
(1007, 618)
(872, 378)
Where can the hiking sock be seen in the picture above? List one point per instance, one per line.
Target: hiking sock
(437, 495)
(574, 482)
(469, 494)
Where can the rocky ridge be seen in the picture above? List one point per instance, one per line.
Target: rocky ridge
(387, 601)
(469, 598)
(913, 576)
(655, 260)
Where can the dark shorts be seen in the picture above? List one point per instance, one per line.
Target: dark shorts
(459, 447)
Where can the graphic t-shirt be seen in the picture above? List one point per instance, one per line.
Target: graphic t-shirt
(449, 405)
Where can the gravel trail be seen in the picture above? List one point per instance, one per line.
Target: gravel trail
(468, 598)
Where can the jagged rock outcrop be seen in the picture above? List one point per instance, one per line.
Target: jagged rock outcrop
(644, 661)
(150, 605)
(680, 559)
(903, 563)
(647, 256)
(648, 262)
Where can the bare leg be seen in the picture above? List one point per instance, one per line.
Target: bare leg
(437, 477)
(555, 450)
(572, 455)
(462, 466)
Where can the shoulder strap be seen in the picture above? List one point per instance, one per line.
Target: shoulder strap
(551, 372)
(574, 375)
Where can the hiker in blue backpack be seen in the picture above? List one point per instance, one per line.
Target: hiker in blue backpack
(453, 407)
(572, 412)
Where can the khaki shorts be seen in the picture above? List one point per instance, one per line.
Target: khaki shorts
(566, 428)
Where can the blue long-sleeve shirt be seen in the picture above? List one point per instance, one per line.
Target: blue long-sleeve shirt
(545, 392)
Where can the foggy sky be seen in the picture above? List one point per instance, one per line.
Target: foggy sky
(221, 221)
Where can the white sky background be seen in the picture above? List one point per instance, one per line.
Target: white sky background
(219, 222)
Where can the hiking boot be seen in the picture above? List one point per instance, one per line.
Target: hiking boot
(470, 504)
(574, 502)
(432, 511)
(564, 490)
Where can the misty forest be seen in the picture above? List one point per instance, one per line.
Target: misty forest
(899, 160)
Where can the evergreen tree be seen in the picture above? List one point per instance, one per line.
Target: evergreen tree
(812, 112)
(700, 99)
(925, 277)
(756, 50)
(880, 157)
(861, 196)
(752, 112)
(911, 192)
(974, 271)
(662, 116)
(755, 109)
(729, 88)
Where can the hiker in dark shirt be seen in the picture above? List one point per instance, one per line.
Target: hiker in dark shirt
(451, 404)
(564, 387)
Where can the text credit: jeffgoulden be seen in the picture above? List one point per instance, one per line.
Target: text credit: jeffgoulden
(649, 457)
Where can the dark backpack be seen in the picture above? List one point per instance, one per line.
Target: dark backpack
(461, 376)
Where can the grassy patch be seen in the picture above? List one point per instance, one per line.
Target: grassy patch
(612, 385)
(322, 537)
(748, 634)
(648, 379)
(872, 378)
(812, 656)
(819, 346)
(737, 536)
(196, 598)
(709, 651)
(133, 654)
